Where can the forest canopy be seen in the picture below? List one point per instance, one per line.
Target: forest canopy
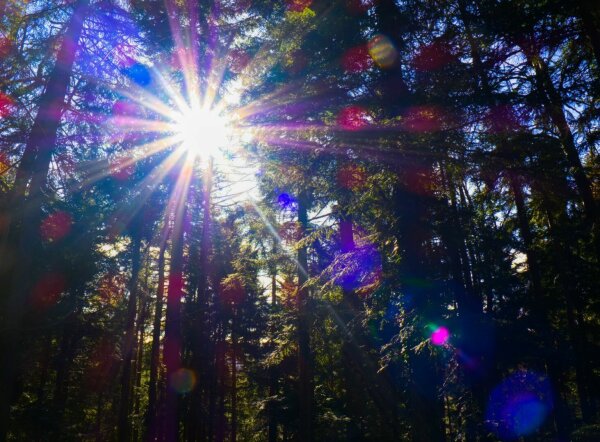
(299, 220)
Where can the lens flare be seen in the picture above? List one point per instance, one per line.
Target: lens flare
(357, 59)
(298, 5)
(4, 163)
(354, 118)
(183, 381)
(46, 292)
(202, 132)
(439, 334)
(287, 202)
(519, 405)
(382, 51)
(55, 226)
(6, 105)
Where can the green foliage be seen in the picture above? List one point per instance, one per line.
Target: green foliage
(418, 166)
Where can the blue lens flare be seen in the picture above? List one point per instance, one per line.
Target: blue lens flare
(519, 405)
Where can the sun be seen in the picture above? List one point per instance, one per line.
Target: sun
(202, 132)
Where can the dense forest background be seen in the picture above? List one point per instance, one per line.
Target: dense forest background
(398, 241)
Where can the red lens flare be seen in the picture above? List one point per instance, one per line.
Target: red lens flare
(6, 105)
(56, 226)
(353, 118)
(357, 59)
(47, 291)
(298, 5)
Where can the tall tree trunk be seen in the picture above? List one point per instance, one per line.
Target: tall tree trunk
(151, 418)
(273, 381)
(234, 393)
(124, 423)
(354, 403)
(172, 340)
(305, 369)
(44, 369)
(564, 259)
(25, 226)
(35, 163)
(426, 406)
(539, 311)
(553, 105)
(136, 390)
(221, 373)
(590, 18)
(65, 356)
(199, 340)
(478, 341)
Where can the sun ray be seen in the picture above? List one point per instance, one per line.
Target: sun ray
(99, 170)
(125, 214)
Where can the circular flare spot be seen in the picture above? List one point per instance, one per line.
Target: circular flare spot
(353, 118)
(183, 381)
(138, 73)
(433, 56)
(286, 201)
(299, 5)
(6, 47)
(440, 336)
(4, 163)
(47, 291)
(519, 405)
(360, 6)
(357, 59)
(55, 226)
(6, 104)
(382, 51)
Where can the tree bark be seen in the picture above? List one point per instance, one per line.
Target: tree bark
(124, 423)
(24, 226)
(305, 374)
(553, 105)
(199, 341)
(172, 341)
(590, 19)
(151, 418)
(273, 381)
(539, 313)
(234, 392)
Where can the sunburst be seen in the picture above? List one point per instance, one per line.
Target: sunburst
(203, 132)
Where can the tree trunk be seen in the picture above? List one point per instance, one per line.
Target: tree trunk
(24, 227)
(425, 404)
(35, 162)
(139, 368)
(65, 356)
(539, 313)
(305, 381)
(553, 106)
(172, 341)
(353, 345)
(220, 378)
(471, 317)
(124, 423)
(151, 418)
(234, 378)
(273, 381)
(590, 18)
(564, 259)
(199, 340)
